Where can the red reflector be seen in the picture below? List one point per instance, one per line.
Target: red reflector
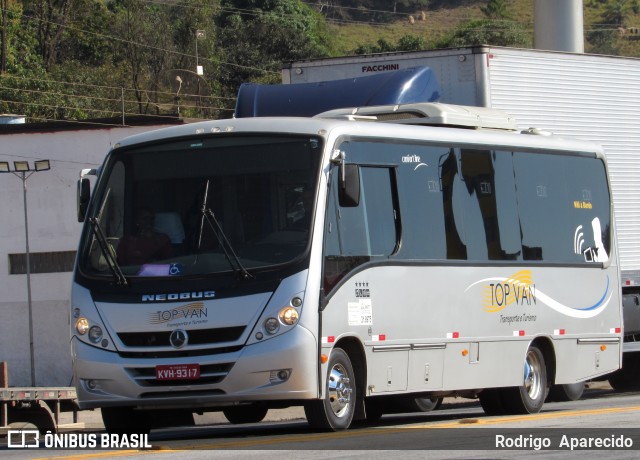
(618, 330)
(331, 339)
(383, 337)
(456, 335)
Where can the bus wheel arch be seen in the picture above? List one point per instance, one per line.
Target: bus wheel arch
(549, 353)
(355, 350)
(343, 389)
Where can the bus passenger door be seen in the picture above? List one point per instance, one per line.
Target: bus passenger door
(367, 233)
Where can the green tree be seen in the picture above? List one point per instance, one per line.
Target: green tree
(405, 43)
(145, 59)
(488, 32)
(85, 41)
(50, 20)
(603, 36)
(496, 9)
(257, 36)
(616, 13)
(11, 13)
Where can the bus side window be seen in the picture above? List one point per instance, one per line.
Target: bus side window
(589, 209)
(490, 210)
(357, 234)
(448, 166)
(543, 203)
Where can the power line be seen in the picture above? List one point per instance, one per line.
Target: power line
(115, 88)
(111, 112)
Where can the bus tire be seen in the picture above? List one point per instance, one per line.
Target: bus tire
(566, 392)
(169, 418)
(491, 402)
(251, 413)
(420, 404)
(626, 378)
(125, 420)
(425, 404)
(528, 398)
(335, 412)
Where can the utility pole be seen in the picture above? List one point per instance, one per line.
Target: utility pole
(23, 171)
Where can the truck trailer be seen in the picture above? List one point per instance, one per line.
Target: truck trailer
(585, 96)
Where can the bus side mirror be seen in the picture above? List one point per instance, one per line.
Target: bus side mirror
(83, 196)
(349, 186)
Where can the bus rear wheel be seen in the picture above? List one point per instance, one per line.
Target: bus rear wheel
(566, 392)
(335, 411)
(425, 404)
(528, 398)
(626, 378)
(491, 401)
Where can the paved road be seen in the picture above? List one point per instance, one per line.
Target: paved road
(458, 430)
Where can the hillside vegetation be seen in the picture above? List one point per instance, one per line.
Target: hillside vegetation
(610, 25)
(88, 59)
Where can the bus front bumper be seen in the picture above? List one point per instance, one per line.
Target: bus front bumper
(282, 368)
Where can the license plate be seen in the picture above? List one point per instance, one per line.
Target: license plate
(178, 372)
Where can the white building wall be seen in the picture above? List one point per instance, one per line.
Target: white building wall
(53, 226)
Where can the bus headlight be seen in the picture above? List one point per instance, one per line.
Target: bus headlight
(271, 325)
(82, 325)
(95, 334)
(289, 316)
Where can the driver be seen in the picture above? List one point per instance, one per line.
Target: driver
(147, 245)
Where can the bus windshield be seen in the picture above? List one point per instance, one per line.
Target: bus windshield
(202, 206)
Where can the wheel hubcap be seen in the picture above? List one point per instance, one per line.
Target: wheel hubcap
(339, 390)
(532, 375)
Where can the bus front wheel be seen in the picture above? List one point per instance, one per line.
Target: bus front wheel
(124, 420)
(335, 411)
(252, 413)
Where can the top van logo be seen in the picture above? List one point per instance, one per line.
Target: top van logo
(518, 289)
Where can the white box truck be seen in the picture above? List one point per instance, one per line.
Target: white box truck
(583, 96)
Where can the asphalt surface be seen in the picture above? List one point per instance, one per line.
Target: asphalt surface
(92, 419)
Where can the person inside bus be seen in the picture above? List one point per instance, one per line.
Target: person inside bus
(146, 245)
(306, 204)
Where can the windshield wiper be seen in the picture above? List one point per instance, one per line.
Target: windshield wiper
(107, 252)
(223, 241)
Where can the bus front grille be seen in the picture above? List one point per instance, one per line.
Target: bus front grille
(196, 337)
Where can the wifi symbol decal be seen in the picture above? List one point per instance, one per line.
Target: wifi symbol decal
(578, 240)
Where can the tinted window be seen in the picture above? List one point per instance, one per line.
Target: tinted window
(470, 204)
(360, 233)
(563, 205)
(189, 207)
(588, 217)
(487, 206)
